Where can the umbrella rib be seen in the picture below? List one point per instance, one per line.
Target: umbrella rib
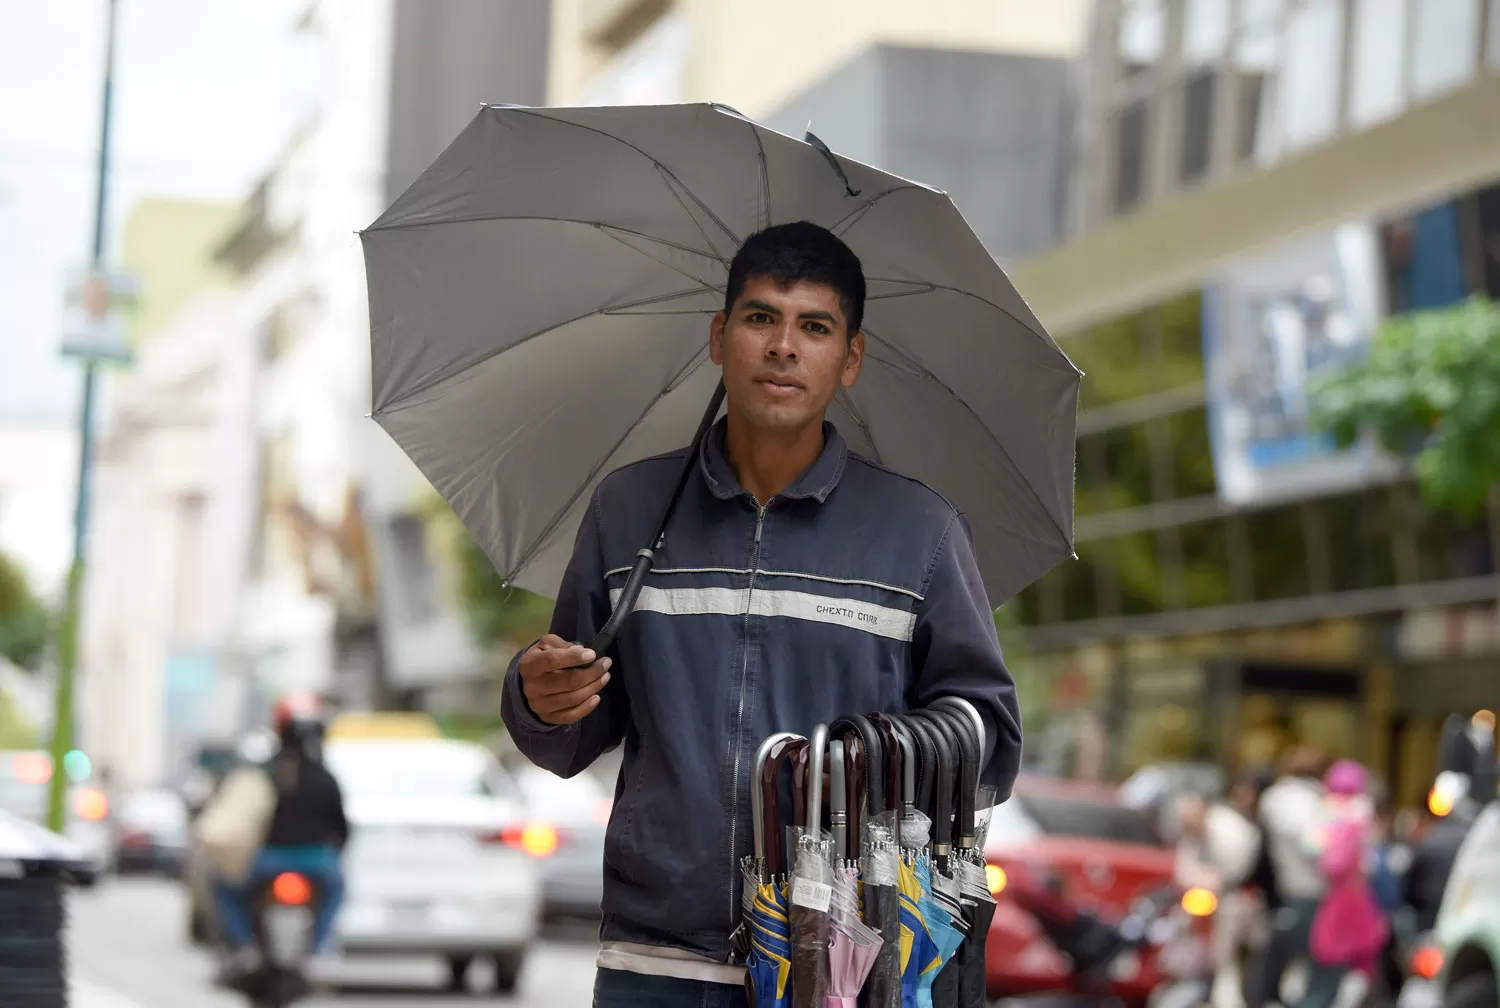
(859, 211)
(848, 404)
(929, 288)
(693, 217)
(664, 169)
(562, 512)
(963, 404)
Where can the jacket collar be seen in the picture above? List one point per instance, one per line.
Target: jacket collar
(817, 482)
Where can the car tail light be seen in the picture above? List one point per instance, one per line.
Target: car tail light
(1427, 962)
(90, 804)
(134, 838)
(538, 838)
(1200, 902)
(994, 876)
(291, 889)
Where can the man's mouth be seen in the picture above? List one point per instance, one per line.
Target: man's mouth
(780, 386)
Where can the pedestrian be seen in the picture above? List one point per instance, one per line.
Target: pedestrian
(1288, 810)
(797, 582)
(1350, 928)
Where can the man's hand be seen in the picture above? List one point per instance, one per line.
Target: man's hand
(559, 692)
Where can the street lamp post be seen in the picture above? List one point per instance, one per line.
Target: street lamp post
(67, 637)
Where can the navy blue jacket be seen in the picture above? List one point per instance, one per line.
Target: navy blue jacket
(853, 590)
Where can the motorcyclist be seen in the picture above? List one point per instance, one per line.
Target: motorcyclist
(306, 835)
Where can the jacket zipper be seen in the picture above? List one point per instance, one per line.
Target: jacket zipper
(739, 722)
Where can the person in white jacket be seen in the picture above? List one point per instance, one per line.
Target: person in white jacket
(1217, 851)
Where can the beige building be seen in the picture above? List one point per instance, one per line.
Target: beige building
(755, 55)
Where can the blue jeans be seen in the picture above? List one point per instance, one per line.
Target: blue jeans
(619, 989)
(319, 864)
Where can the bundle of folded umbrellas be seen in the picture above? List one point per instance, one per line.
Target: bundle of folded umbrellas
(876, 897)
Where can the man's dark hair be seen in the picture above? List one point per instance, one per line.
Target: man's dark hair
(803, 251)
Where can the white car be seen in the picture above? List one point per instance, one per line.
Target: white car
(24, 780)
(442, 858)
(573, 878)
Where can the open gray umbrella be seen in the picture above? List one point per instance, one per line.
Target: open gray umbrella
(539, 308)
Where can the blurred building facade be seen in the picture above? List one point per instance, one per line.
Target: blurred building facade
(257, 533)
(1259, 183)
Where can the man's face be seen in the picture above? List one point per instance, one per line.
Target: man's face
(785, 353)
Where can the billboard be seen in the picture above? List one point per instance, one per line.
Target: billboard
(1271, 321)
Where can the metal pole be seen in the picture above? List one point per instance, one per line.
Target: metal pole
(67, 635)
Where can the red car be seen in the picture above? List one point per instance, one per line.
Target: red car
(1104, 855)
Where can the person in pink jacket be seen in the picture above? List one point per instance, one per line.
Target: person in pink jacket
(1350, 929)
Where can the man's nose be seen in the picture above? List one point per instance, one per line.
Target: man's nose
(783, 343)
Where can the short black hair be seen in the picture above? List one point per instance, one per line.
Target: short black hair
(801, 251)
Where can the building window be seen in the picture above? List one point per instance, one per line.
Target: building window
(1359, 527)
(1257, 53)
(1309, 106)
(1279, 554)
(1197, 124)
(1142, 37)
(1132, 136)
(1376, 71)
(1444, 45)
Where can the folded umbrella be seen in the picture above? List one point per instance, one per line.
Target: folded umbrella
(812, 882)
(852, 945)
(946, 886)
(939, 895)
(768, 967)
(879, 864)
(753, 867)
(539, 301)
(967, 970)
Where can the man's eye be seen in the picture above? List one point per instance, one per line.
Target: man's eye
(760, 318)
(817, 328)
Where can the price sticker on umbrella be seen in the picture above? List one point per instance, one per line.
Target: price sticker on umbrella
(811, 894)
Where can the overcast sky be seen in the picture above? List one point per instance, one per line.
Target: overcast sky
(203, 102)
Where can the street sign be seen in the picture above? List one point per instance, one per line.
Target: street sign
(95, 315)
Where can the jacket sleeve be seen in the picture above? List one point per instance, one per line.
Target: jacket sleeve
(956, 652)
(582, 608)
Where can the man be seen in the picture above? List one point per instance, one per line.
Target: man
(1291, 811)
(307, 832)
(798, 583)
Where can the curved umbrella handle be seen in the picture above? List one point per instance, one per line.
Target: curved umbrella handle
(947, 777)
(874, 758)
(813, 782)
(966, 708)
(887, 729)
(854, 792)
(777, 748)
(757, 798)
(908, 766)
(962, 733)
(926, 763)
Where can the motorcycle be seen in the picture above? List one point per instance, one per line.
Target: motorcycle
(282, 913)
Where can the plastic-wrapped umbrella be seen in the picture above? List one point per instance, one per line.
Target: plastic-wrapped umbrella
(769, 964)
(938, 900)
(946, 886)
(812, 880)
(919, 951)
(968, 964)
(879, 864)
(852, 945)
(753, 866)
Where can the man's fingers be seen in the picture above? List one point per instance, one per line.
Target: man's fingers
(569, 656)
(550, 683)
(573, 714)
(568, 699)
(550, 642)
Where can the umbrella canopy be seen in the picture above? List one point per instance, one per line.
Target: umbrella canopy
(539, 307)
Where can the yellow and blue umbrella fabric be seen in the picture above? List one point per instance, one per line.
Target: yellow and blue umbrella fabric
(920, 955)
(939, 925)
(770, 961)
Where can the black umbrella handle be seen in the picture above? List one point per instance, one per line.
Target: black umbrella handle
(947, 778)
(926, 763)
(874, 753)
(891, 741)
(965, 809)
(605, 638)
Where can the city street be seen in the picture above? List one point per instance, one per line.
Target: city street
(129, 950)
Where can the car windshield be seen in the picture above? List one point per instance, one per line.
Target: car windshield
(415, 770)
(1089, 820)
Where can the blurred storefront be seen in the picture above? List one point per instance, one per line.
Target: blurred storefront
(1259, 185)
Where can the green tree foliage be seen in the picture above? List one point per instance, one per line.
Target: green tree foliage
(1031, 690)
(24, 622)
(15, 731)
(499, 615)
(1430, 385)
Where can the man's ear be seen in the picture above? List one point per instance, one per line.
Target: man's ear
(716, 339)
(853, 361)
